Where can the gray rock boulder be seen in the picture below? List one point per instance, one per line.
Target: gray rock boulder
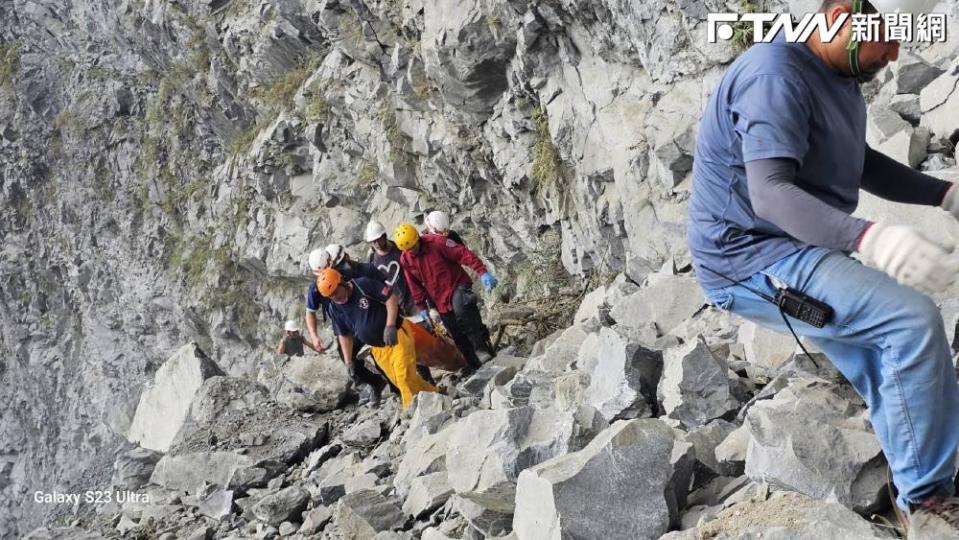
(365, 433)
(164, 406)
(560, 353)
(913, 73)
(365, 513)
(694, 388)
(284, 505)
(315, 383)
(220, 394)
(423, 456)
(488, 449)
(940, 103)
(764, 347)
(623, 382)
(217, 505)
(814, 437)
(890, 134)
(666, 304)
(427, 493)
(559, 498)
(132, 469)
(186, 472)
(706, 439)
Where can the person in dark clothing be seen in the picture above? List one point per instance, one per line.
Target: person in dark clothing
(316, 303)
(368, 310)
(293, 341)
(385, 256)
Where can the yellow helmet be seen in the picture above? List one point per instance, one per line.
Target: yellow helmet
(406, 236)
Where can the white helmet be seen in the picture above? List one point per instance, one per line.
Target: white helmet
(319, 259)
(904, 6)
(374, 230)
(438, 221)
(337, 254)
(291, 327)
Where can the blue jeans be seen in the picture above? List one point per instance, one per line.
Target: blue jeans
(889, 341)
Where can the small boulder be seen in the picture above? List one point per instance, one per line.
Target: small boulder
(694, 388)
(284, 505)
(365, 513)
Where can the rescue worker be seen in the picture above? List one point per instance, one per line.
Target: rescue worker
(779, 162)
(385, 256)
(367, 310)
(432, 266)
(438, 222)
(319, 261)
(293, 341)
(340, 261)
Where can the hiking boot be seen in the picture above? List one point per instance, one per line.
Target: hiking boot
(935, 518)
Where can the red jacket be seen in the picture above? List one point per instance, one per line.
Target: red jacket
(437, 270)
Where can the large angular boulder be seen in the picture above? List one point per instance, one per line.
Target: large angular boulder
(814, 437)
(220, 394)
(667, 303)
(423, 456)
(940, 102)
(591, 494)
(488, 449)
(694, 388)
(284, 505)
(186, 472)
(623, 382)
(165, 405)
(315, 383)
(560, 353)
(363, 514)
(913, 73)
(132, 469)
(765, 347)
(890, 134)
(427, 493)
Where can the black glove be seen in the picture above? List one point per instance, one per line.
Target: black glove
(351, 369)
(389, 336)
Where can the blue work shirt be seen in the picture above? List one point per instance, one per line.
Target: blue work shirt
(777, 100)
(363, 315)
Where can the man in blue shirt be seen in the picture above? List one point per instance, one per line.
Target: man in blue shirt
(779, 162)
(368, 310)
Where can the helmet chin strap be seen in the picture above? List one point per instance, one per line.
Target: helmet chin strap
(853, 47)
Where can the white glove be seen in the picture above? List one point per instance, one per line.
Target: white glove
(909, 257)
(950, 203)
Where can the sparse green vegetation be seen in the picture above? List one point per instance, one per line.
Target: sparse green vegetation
(242, 142)
(547, 165)
(367, 173)
(494, 23)
(317, 107)
(9, 63)
(278, 95)
(743, 31)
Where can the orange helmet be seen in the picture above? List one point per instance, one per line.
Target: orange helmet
(327, 282)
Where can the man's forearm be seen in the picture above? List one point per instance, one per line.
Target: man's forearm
(777, 199)
(346, 346)
(392, 309)
(311, 324)
(887, 178)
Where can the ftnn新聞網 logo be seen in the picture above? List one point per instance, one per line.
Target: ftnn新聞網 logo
(903, 27)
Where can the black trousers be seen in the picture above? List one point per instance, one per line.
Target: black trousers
(465, 326)
(363, 374)
(466, 309)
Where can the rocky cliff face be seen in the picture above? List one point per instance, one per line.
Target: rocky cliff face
(165, 166)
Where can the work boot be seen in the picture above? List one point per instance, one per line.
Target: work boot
(935, 518)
